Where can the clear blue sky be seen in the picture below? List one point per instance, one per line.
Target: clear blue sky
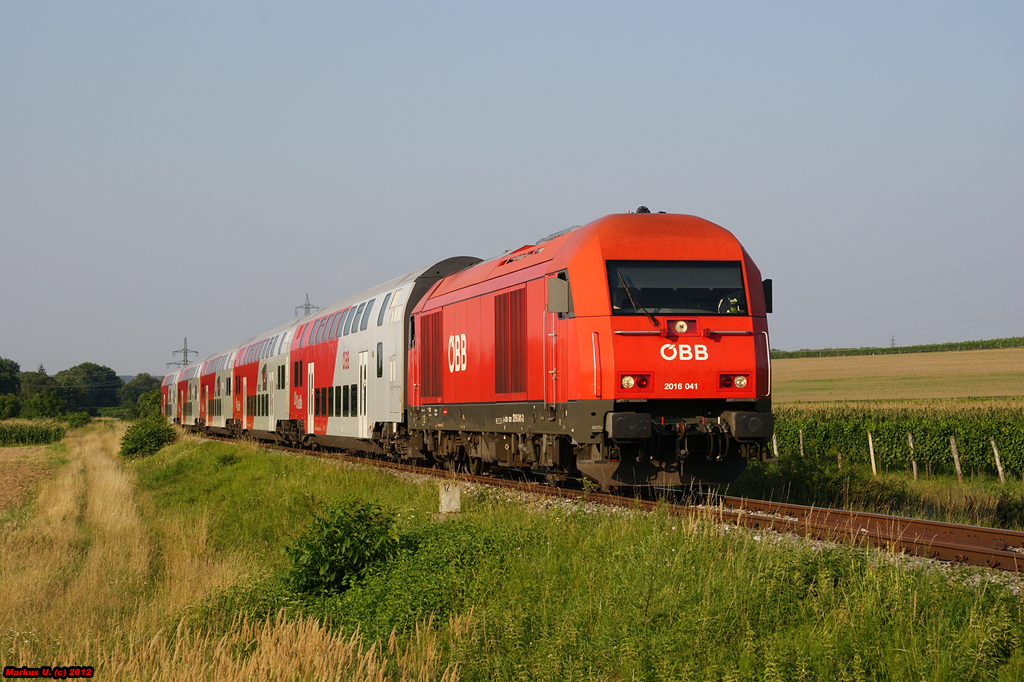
(195, 169)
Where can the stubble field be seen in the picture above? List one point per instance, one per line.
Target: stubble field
(964, 374)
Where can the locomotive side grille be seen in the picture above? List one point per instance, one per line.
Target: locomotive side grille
(510, 342)
(432, 377)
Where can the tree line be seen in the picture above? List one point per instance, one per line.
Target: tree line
(87, 388)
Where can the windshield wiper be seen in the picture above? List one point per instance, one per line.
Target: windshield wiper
(632, 301)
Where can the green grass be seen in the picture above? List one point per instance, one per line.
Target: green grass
(978, 501)
(516, 594)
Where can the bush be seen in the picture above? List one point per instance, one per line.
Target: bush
(10, 406)
(343, 542)
(77, 420)
(146, 437)
(148, 405)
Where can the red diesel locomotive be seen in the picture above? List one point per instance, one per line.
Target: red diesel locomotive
(632, 351)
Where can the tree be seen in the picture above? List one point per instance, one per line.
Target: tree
(33, 383)
(10, 406)
(142, 383)
(10, 381)
(88, 386)
(47, 403)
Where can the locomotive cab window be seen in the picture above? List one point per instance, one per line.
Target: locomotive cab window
(675, 287)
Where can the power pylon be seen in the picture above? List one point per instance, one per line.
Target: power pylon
(184, 355)
(306, 307)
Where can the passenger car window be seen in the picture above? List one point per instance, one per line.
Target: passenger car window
(366, 314)
(383, 310)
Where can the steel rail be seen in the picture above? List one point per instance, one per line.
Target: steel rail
(962, 544)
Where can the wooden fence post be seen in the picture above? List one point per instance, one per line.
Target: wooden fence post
(956, 459)
(802, 445)
(871, 449)
(910, 439)
(775, 445)
(999, 466)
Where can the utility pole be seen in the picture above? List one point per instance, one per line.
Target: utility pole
(306, 307)
(184, 355)
(893, 342)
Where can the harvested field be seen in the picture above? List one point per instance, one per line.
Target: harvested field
(964, 374)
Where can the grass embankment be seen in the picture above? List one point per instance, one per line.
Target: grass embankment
(965, 374)
(171, 568)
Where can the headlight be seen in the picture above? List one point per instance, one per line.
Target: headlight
(740, 381)
(681, 326)
(628, 382)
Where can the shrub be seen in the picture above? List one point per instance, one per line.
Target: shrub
(146, 437)
(149, 405)
(77, 420)
(343, 542)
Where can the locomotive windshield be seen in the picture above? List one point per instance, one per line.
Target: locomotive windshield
(675, 287)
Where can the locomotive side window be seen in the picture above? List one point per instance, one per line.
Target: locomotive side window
(674, 287)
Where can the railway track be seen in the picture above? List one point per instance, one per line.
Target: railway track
(956, 543)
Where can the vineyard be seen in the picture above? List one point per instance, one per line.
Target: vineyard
(838, 433)
(13, 432)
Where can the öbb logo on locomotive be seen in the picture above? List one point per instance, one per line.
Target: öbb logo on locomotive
(632, 351)
(670, 351)
(457, 353)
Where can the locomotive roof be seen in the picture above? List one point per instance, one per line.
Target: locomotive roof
(610, 236)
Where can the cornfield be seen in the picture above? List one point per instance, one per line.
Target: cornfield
(840, 430)
(27, 433)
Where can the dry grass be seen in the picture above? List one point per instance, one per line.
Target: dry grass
(66, 570)
(21, 468)
(977, 373)
(276, 650)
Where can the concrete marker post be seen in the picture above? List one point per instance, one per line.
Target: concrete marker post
(956, 459)
(871, 449)
(450, 497)
(999, 466)
(910, 440)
